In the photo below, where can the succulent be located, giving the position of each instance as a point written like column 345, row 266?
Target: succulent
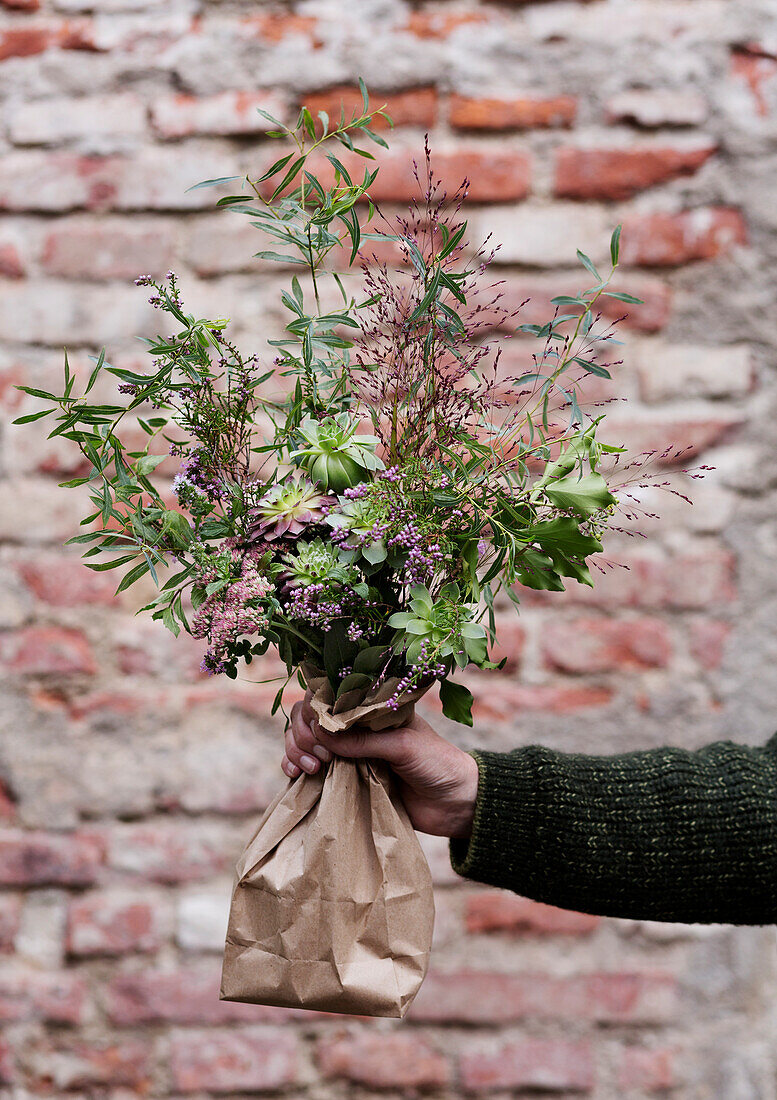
column 287, row 508
column 317, row 562
column 334, row 455
column 443, row 625
column 358, row 518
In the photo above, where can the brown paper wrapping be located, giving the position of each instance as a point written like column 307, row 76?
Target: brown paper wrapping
column 332, row 906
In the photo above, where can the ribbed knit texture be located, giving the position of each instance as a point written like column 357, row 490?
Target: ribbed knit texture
column 664, row 834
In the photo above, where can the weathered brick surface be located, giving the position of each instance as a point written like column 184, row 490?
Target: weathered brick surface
column 551, row 1065
column 36, row 859
column 129, row 781
column 620, row 173
column 381, row 1062
column 111, row 924
column 244, row 1060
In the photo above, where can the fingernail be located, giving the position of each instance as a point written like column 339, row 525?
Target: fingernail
column 308, row 763
column 322, row 753
column 293, row 770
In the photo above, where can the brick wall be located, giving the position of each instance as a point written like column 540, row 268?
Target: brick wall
column 130, row 782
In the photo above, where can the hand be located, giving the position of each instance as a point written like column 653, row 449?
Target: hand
column 438, row 783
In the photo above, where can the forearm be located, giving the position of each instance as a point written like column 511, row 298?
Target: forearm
column 666, row 834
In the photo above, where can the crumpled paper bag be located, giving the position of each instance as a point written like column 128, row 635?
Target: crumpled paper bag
column 332, row 906
column 363, row 706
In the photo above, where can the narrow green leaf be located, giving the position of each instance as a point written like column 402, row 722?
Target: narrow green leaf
column 620, row 297
column 588, row 264
column 211, row 183
column 615, row 244
column 29, row 417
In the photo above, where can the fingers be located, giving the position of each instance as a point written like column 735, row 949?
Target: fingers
column 303, row 752
column 389, row 745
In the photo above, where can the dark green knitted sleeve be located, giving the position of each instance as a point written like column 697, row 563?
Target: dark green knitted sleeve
column 664, row 834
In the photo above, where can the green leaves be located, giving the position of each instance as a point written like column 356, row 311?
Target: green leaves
column 583, row 495
column 615, row 244
column 211, row 183
column 456, row 702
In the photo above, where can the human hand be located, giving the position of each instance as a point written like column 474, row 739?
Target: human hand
column 438, row 782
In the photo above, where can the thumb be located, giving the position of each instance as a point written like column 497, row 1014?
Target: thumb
column 355, row 744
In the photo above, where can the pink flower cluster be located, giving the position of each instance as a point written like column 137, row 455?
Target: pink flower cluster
column 234, row 611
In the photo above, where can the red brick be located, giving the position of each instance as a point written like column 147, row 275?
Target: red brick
column 521, row 113
column 53, row 998
column 233, row 112
column 64, row 581
column 667, row 240
column 48, row 859
column 10, row 915
column 708, row 642
column 25, row 41
column 605, row 645
column 667, row 442
column 493, row 175
column 83, row 1065
column 536, row 293
column 105, row 924
column 107, row 705
column 501, row 701
column 11, row 266
column 274, row 27
column 499, row 911
column 645, row 1070
column 547, row 1064
column 249, row 1059
column 411, row 107
column 511, row 638
column 388, row 1061
column 171, row 852
column 614, row 174
column 440, row 24
column 48, row 650
column 21, row 5
column 485, row 997
column 189, row 996
column 108, row 249
column 686, row 582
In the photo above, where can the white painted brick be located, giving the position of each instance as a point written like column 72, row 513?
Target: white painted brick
column 652, row 108
column 543, row 236
column 97, row 124
column 691, row 370
column 41, row 935
column 202, row 919
column 55, row 313
column 226, row 113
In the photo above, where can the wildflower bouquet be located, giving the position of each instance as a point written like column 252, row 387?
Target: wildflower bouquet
column 363, row 523
column 359, row 506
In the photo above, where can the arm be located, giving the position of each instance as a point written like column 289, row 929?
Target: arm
column 666, row 834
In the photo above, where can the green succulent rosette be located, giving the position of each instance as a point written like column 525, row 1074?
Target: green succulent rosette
column 334, row 455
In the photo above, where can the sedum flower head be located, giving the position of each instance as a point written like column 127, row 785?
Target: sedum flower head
column 287, row 508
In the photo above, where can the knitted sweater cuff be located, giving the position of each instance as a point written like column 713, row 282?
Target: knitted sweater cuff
column 505, row 806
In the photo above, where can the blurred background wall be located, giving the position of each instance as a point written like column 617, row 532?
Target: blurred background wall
column 130, row 782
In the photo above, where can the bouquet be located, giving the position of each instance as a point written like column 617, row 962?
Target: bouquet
column 360, row 505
